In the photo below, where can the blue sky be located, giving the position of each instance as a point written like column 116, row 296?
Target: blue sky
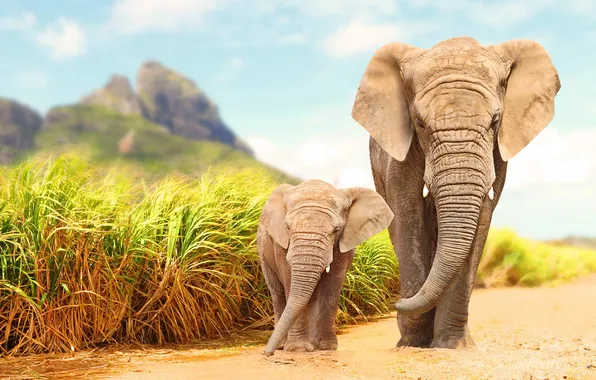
column 284, row 74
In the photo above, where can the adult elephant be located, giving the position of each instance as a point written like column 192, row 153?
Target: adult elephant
column 443, row 123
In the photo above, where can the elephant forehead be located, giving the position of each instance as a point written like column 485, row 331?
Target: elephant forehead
column 473, row 61
column 315, row 192
column 322, row 218
column 309, row 198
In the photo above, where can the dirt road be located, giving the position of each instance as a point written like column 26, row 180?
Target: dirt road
column 541, row 333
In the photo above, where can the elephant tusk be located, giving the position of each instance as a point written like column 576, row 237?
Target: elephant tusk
column 491, row 193
column 425, row 191
column 328, row 268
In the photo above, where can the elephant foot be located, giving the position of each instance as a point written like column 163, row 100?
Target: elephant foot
column 421, row 341
column 453, row 342
column 327, row 344
column 299, row 346
column 416, row 331
column 419, row 336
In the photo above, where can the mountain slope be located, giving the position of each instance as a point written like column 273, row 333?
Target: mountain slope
column 106, row 136
column 18, row 127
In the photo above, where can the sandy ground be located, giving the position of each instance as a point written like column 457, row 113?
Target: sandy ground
column 520, row 333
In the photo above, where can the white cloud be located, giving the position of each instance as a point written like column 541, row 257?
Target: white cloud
column 343, row 7
column 507, row 14
column 175, row 16
column 136, row 16
column 282, row 20
column 341, row 161
column 231, row 68
column 265, row 38
column 500, row 14
column 24, row 22
column 555, row 158
column 582, row 6
column 550, row 185
column 338, row 155
column 291, row 39
column 65, row 39
column 318, row 158
column 324, row 8
column 33, row 79
column 358, row 37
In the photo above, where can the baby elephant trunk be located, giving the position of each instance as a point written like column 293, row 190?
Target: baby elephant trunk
column 305, row 276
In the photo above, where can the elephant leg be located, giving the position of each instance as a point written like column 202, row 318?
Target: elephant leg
column 298, row 338
column 414, row 251
column 400, row 184
column 451, row 318
column 278, row 296
column 326, row 302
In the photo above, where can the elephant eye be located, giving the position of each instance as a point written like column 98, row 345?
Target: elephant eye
column 336, row 229
column 494, row 123
column 419, row 123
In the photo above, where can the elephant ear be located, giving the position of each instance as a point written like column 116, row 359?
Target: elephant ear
column 381, row 106
column 529, row 104
column 273, row 216
column 368, row 215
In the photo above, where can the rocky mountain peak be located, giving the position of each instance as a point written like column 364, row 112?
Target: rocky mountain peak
column 18, row 125
column 175, row 101
column 152, row 65
column 117, row 95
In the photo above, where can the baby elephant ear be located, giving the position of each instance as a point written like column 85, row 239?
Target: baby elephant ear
column 368, row 215
column 273, row 216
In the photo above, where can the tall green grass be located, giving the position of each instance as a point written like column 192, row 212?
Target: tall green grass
column 371, row 281
column 86, row 259
column 89, row 257
column 509, row 260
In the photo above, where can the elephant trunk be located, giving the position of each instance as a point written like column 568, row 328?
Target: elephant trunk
column 458, row 204
column 304, row 278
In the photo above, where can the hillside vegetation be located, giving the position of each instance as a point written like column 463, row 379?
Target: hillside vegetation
column 108, row 137
column 89, row 257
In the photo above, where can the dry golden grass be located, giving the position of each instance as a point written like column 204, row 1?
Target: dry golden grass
column 89, row 258
column 510, row 260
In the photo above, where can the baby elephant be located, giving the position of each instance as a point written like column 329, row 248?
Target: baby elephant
column 306, row 240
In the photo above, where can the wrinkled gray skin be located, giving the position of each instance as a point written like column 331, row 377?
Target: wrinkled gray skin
column 448, row 117
column 302, row 230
